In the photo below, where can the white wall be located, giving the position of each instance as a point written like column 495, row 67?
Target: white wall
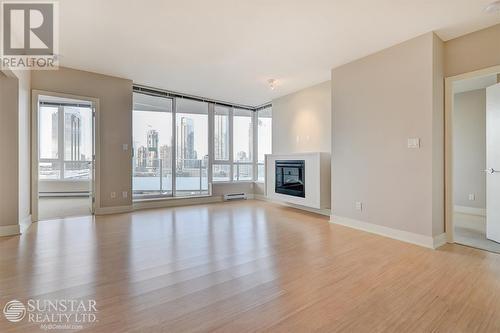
column 469, row 148
column 378, row 103
column 302, row 121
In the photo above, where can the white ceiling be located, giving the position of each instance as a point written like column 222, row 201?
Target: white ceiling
column 228, row 49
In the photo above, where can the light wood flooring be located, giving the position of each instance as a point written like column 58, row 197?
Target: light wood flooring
column 244, row 267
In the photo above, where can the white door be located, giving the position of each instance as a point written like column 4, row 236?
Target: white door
column 493, row 163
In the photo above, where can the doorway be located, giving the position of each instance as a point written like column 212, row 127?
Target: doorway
column 64, row 154
column 473, row 159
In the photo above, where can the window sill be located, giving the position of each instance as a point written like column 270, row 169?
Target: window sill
column 171, row 198
column 233, row 182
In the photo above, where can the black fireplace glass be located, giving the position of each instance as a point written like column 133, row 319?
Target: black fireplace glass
column 290, row 178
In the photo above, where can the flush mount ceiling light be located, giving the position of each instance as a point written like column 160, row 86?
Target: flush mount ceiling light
column 272, row 83
column 493, row 7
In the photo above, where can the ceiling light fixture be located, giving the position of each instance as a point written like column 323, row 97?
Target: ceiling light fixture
column 493, row 7
column 272, row 83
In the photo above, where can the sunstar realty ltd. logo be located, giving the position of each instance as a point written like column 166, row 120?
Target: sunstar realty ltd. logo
column 52, row 314
column 30, row 35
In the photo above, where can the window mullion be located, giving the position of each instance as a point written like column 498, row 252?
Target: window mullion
column 174, row 145
column 60, row 143
column 231, row 154
column 211, row 141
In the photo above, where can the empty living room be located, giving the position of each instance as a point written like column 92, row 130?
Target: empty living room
column 249, row 166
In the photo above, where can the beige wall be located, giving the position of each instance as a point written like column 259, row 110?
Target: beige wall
column 378, row 103
column 115, row 99
column 24, row 78
column 469, row 142
column 472, row 52
column 9, row 166
column 302, row 121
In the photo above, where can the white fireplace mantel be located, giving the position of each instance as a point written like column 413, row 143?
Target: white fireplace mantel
column 317, row 179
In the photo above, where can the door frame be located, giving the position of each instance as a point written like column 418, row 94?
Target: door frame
column 448, row 142
column 35, row 95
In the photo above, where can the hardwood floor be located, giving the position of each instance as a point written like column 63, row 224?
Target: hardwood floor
column 247, row 266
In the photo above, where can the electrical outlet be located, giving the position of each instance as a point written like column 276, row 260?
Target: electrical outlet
column 113, row 195
column 359, row 206
column 124, row 194
column 472, row 197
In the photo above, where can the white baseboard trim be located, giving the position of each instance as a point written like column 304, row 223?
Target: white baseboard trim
column 10, row 230
column 25, row 223
column 325, row 212
column 405, row 236
column 470, row 210
column 113, row 210
column 162, row 203
column 440, row 240
column 175, row 202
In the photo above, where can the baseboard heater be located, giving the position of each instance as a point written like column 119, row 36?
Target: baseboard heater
column 235, row 196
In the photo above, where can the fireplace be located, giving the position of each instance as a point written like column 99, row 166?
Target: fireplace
column 290, row 177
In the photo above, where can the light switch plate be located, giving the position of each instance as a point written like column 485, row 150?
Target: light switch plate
column 113, row 195
column 472, row 197
column 359, row 206
column 413, row 143
column 125, row 147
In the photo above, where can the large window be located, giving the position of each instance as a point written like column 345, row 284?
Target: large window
column 182, row 145
column 243, row 144
column 65, row 140
column 191, row 147
column 265, row 139
column 152, row 140
column 222, row 144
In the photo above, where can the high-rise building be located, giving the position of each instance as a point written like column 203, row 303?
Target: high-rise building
column 72, row 134
column 185, row 144
column 221, row 138
column 153, row 152
column 166, row 156
column 142, row 157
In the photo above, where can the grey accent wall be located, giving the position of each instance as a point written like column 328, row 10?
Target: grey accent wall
column 9, row 166
column 469, row 148
column 378, row 103
column 302, row 121
column 115, row 98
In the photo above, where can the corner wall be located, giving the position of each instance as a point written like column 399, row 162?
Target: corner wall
column 378, row 103
column 24, row 89
column 115, row 100
column 9, row 168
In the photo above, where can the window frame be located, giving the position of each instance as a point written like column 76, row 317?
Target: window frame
column 61, row 151
column 233, row 177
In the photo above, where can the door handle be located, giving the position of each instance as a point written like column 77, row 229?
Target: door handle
column 491, row 171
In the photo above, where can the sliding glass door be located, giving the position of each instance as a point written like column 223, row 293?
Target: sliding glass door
column 152, row 140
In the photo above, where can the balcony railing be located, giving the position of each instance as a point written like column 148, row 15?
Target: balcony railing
column 154, row 178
